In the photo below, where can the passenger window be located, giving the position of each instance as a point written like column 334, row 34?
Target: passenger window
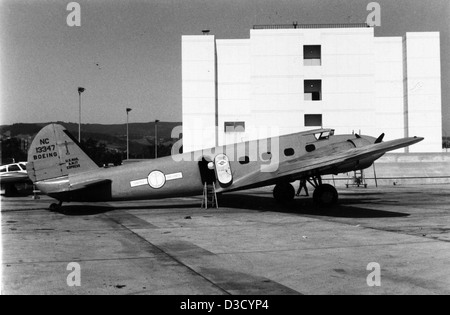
column 310, row 148
column 244, row 160
column 289, row 152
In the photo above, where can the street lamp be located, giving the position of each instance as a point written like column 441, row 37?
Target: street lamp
column 128, row 148
column 80, row 90
column 156, row 138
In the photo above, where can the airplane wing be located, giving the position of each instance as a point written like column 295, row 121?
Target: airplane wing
column 316, row 163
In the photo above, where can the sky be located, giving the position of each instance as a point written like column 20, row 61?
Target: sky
column 127, row 53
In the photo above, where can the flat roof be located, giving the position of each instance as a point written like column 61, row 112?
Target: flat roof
column 303, row 26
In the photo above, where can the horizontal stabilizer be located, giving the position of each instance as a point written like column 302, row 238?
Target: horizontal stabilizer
column 89, row 184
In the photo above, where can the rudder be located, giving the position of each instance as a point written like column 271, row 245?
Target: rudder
column 54, row 153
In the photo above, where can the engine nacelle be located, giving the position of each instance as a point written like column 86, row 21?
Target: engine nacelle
column 360, row 164
column 359, row 142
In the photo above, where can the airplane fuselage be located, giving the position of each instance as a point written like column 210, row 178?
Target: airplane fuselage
column 185, row 174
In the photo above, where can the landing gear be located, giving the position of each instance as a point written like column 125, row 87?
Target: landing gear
column 56, row 207
column 325, row 195
column 284, row 192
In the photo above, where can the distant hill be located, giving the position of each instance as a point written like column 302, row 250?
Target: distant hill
column 136, row 130
column 111, row 137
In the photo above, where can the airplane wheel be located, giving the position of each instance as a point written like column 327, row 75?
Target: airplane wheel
column 284, row 192
column 325, row 195
column 10, row 190
column 54, row 207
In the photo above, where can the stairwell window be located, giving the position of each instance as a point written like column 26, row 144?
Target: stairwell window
column 313, row 90
column 312, row 55
column 313, row 120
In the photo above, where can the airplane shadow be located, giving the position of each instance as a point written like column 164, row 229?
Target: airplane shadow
column 262, row 203
column 306, row 206
column 85, row 210
column 95, row 209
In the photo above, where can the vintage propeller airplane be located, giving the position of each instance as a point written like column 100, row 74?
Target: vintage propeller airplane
column 60, row 168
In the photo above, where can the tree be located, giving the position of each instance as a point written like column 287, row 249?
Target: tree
column 11, row 150
column 99, row 153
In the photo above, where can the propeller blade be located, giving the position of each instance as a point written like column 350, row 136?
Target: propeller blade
column 380, row 138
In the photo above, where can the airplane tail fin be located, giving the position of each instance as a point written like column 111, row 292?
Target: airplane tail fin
column 54, row 153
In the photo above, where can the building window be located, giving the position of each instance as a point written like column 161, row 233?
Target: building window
column 312, row 55
column 313, row 90
column 235, row 126
column 313, row 120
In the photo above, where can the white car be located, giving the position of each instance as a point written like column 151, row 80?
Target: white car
column 12, row 174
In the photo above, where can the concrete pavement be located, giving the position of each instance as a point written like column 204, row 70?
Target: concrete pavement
column 251, row 245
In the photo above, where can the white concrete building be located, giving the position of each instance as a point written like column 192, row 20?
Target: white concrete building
column 292, row 79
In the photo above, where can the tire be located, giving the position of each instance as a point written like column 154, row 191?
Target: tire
column 325, row 195
column 10, row 190
column 55, row 207
column 284, row 192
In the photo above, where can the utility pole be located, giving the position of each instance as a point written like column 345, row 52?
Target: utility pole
column 80, row 90
column 128, row 146
column 156, row 138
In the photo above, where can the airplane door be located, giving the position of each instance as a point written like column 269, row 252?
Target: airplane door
column 223, row 170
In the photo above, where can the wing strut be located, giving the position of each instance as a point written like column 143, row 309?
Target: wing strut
column 315, row 181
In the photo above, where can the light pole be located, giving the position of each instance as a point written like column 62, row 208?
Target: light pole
column 444, row 140
column 80, row 90
column 128, row 148
column 156, row 138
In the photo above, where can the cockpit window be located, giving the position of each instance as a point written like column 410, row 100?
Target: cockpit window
column 324, row 135
column 3, row 169
column 23, row 166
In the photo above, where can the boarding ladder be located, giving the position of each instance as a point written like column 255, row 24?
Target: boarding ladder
column 358, row 179
column 209, row 196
